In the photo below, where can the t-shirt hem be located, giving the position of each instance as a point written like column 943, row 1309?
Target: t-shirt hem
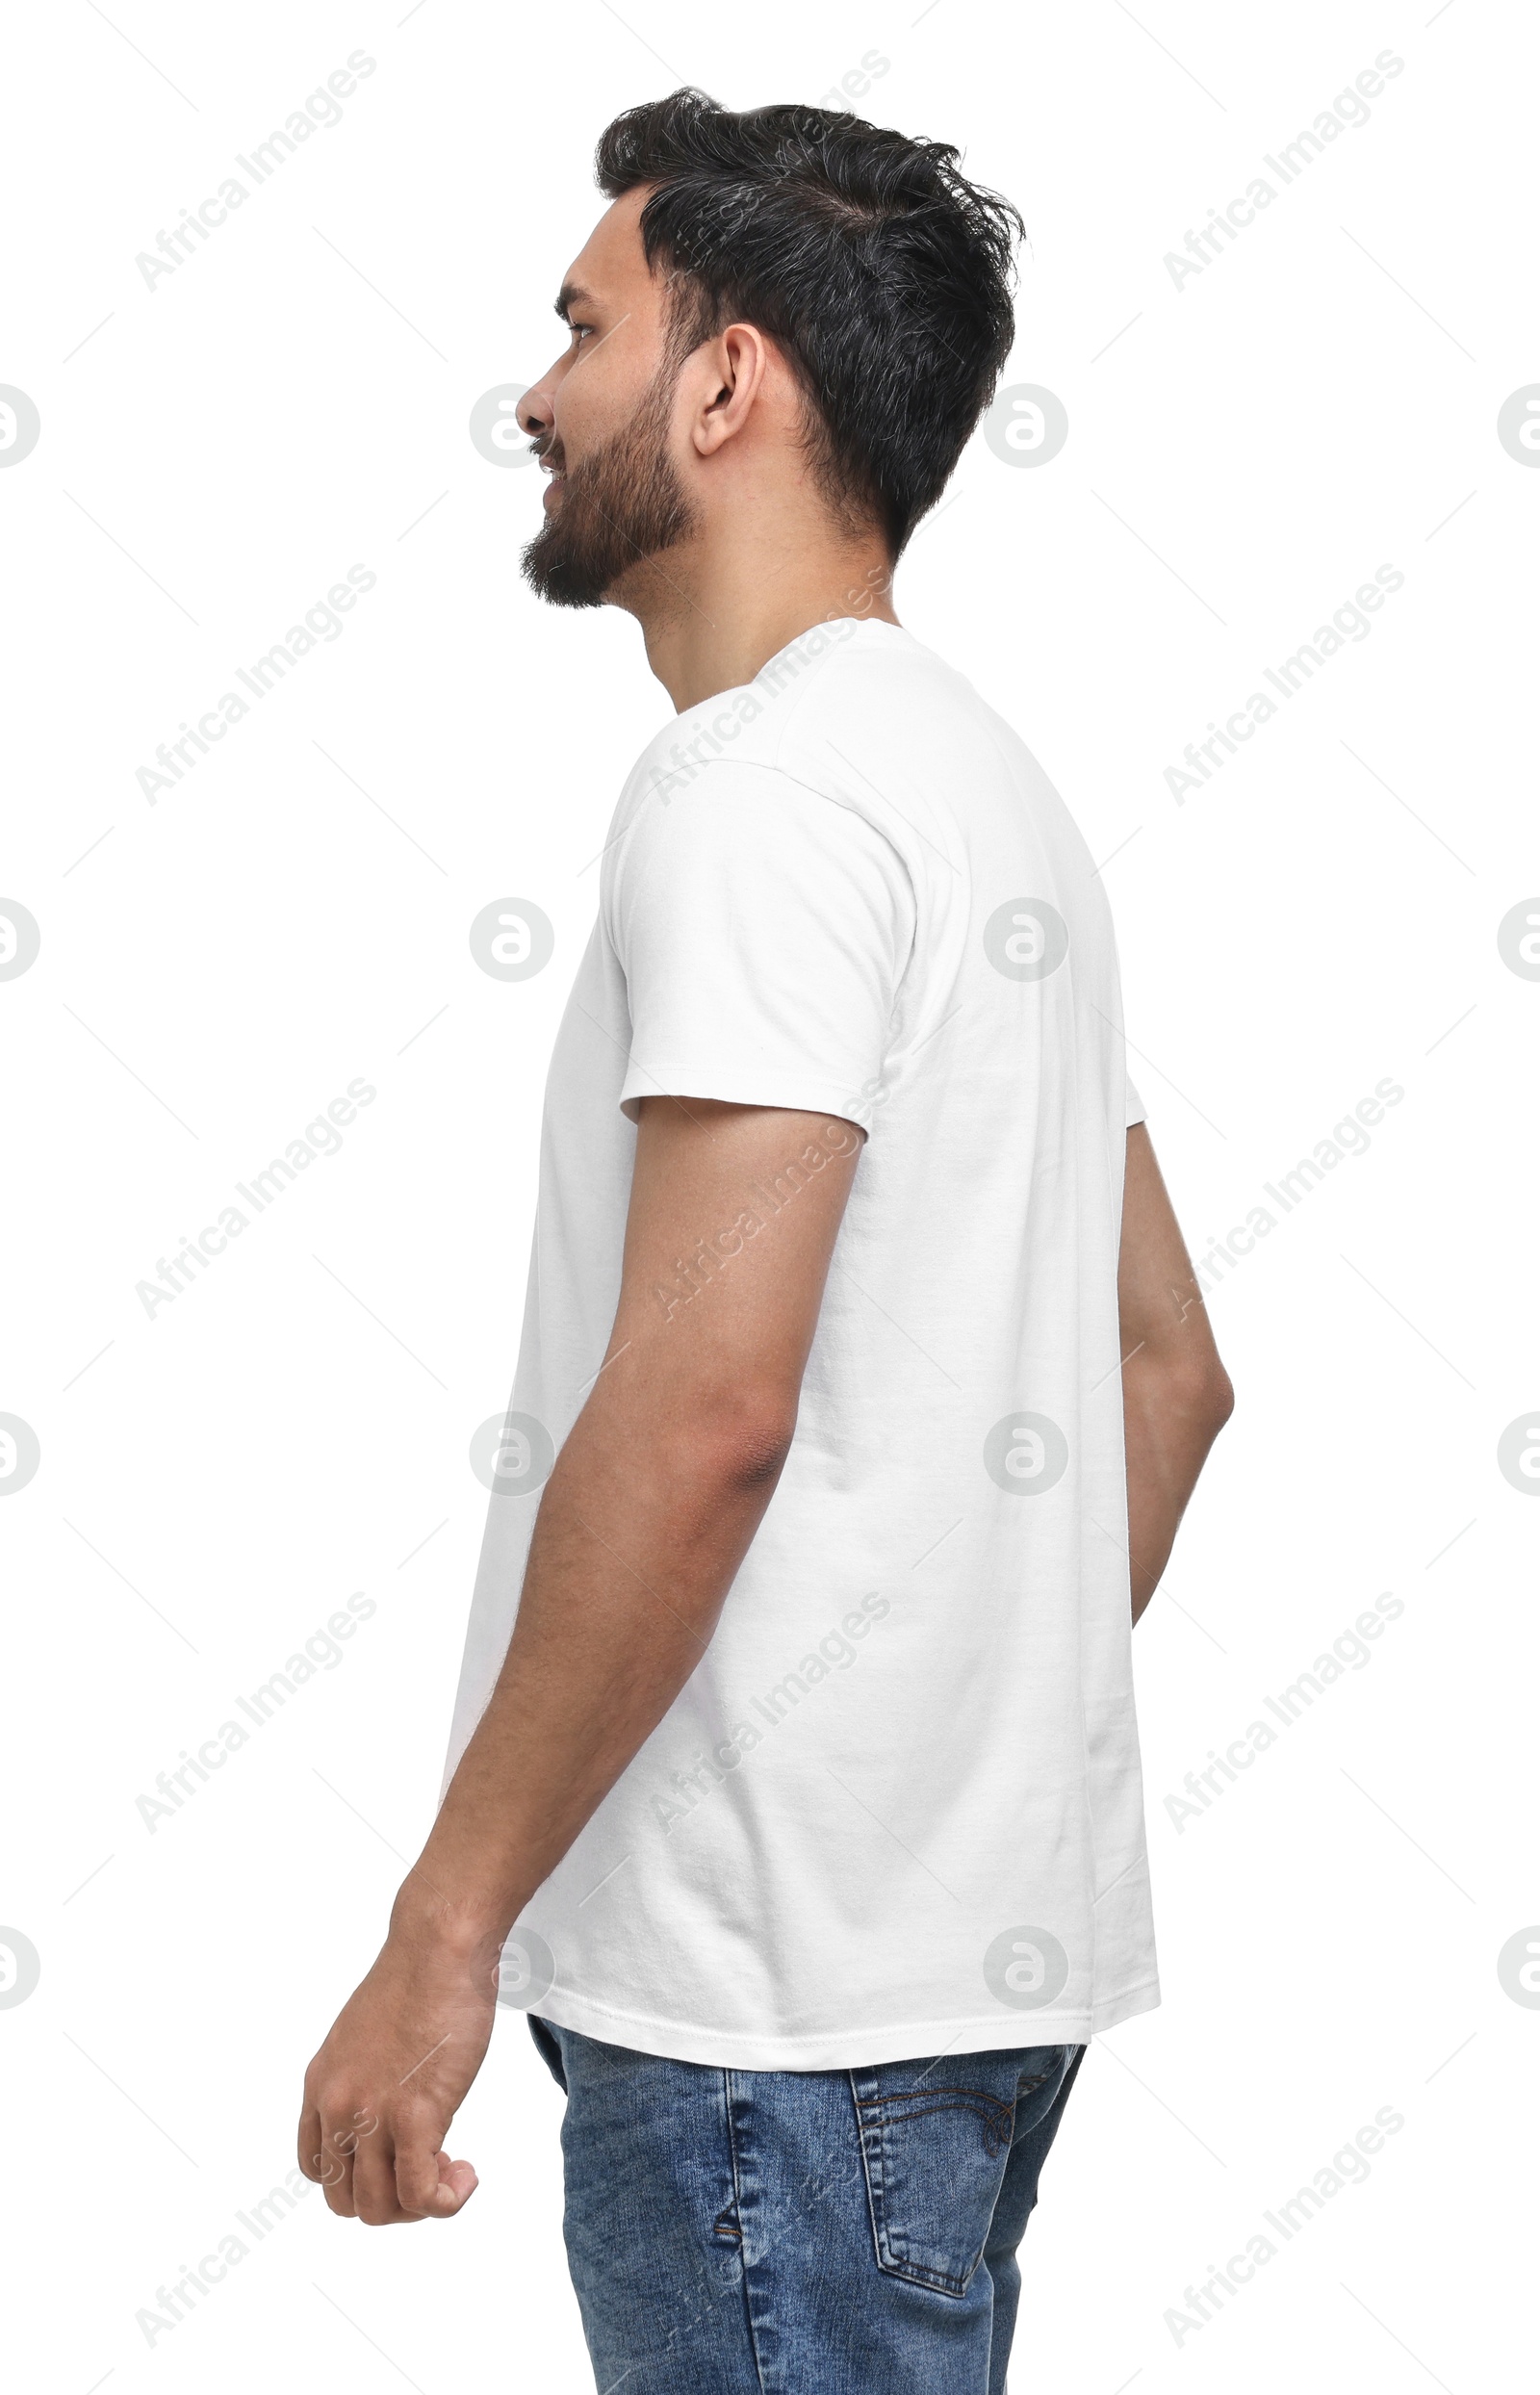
column 744, row 1087
column 848, row 2049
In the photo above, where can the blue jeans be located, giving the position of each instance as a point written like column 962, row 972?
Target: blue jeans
column 801, row 2232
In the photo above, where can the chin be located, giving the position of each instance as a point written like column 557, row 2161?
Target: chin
column 555, row 577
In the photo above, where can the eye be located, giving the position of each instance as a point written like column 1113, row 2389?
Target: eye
column 577, row 331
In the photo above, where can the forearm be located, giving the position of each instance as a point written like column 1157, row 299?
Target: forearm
column 655, row 1496
column 635, row 1546
column 1171, row 1420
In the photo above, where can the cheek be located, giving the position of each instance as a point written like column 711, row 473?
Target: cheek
column 578, row 407
column 604, row 391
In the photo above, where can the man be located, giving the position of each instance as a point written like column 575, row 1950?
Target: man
column 794, row 1775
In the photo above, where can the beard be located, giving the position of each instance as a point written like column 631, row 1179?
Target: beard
column 622, row 506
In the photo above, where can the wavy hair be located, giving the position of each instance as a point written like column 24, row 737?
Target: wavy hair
column 882, row 275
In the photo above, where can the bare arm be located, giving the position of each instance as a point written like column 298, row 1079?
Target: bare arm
column 650, row 1510
column 1176, row 1393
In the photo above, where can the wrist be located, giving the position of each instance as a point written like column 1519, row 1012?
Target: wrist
column 449, row 1922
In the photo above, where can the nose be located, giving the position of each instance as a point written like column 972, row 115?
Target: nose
column 536, row 411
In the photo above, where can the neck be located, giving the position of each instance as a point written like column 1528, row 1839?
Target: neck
column 713, row 613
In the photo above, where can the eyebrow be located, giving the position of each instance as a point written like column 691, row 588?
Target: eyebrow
column 573, row 294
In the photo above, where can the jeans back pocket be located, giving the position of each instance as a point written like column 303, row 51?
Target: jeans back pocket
column 936, row 2136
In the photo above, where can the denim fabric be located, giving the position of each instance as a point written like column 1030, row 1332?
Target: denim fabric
column 789, row 2233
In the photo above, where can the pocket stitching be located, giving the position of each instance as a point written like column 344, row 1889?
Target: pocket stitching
column 892, row 2255
column 998, row 2119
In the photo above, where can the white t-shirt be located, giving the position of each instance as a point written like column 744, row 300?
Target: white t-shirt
column 897, row 1806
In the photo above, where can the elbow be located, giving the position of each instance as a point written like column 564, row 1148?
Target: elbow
column 741, row 1440
column 1212, row 1398
column 1197, row 1389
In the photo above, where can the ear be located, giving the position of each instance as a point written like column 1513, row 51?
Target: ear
column 731, row 370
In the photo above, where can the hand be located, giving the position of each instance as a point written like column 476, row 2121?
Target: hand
column 400, row 2056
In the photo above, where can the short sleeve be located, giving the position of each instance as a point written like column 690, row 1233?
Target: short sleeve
column 763, row 930
column 1135, row 1105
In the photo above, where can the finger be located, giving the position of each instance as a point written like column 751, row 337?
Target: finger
column 428, row 2184
column 335, row 2175
column 417, row 2159
column 310, row 2154
column 375, row 2184
column 459, row 2178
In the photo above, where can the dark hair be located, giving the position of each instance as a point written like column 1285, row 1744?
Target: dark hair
column 879, row 271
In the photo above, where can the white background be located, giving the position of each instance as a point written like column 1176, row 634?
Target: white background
column 1243, row 453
